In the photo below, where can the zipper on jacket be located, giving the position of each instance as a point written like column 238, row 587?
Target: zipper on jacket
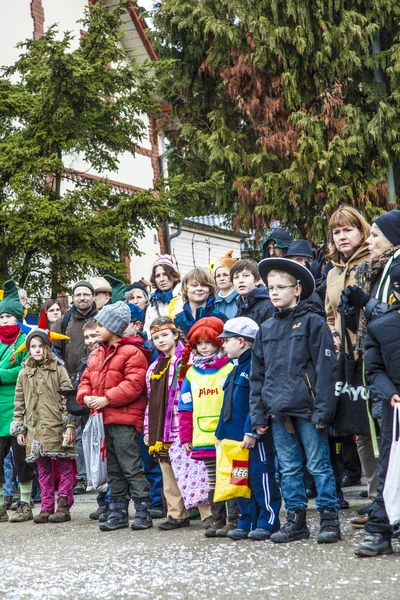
column 310, row 388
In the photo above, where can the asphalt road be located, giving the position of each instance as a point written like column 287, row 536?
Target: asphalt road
column 76, row 561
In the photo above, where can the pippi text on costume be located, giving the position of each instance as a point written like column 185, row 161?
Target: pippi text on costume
column 207, row 392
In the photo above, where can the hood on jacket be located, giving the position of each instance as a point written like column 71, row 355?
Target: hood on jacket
column 78, row 315
column 260, row 292
column 304, row 306
column 231, row 297
column 135, row 340
column 208, row 307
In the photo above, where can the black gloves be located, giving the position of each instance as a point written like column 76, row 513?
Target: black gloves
column 317, row 264
column 354, row 296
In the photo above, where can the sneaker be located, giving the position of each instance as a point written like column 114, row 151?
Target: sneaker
column 260, row 534
column 8, row 500
column 359, row 522
column 294, row 529
column 223, row 532
column 102, row 510
column 42, row 517
column 79, row 487
column 16, row 504
column 3, row 515
column 237, row 534
column 22, row 513
column 329, row 531
column 349, row 482
column 211, row 531
column 373, row 545
column 208, row 521
column 172, row 523
column 157, row 512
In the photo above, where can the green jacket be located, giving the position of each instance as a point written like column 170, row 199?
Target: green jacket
column 8, row 379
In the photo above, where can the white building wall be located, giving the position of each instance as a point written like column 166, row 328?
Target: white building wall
column 194, row 248
column 16, row 25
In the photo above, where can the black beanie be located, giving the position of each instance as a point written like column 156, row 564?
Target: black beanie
column 389, row 224
column 136, row 285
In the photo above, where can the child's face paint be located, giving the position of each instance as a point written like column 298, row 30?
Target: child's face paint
column 36, row 349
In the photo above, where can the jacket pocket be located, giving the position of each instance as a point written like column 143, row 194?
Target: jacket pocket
column 208, row 424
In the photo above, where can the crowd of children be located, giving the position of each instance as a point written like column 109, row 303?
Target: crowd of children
column 263, row 375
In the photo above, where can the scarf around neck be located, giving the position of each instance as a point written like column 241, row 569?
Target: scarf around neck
column 214, row 361
column 367, row 274
column 9, row 334
column 163, row 297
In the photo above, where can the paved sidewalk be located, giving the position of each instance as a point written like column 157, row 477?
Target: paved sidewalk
column 76, row 561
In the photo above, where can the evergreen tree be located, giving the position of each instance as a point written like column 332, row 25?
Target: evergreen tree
column 293, row 101
column 57, row 104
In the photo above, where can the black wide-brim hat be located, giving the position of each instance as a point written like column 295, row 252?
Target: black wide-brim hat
column 300, row 273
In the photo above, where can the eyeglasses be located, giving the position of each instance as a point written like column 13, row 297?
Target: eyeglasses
column 279, row 288
column 83, row 295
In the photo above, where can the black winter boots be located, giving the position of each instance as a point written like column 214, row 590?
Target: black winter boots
column 118, row 517
column 294, row 529
column 329, row 531
column 142, row 518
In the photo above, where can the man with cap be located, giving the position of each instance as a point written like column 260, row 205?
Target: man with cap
column 301, row 252
column 277, row 243
column 72, row 353
column 292, row 389
column 102, row 291
column 259, row 515
column 382, row 367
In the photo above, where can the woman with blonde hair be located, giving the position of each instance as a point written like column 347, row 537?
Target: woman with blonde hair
column 348, row 232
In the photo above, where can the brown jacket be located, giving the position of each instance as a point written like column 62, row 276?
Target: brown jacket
column 72, row 351
column 342, row 275
column 40, row 412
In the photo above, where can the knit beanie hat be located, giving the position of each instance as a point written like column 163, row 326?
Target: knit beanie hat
column 164, row 259
column 136, row 285
column 40, row 334
column 300, row 248
column 11, row 303
column 389, row 224
column 100, row 284
column 118, row 288
column 226, row 261
column 115, row 317
column 137, row 314
column 83, row 283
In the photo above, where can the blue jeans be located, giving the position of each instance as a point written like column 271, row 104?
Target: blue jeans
column 288, row 447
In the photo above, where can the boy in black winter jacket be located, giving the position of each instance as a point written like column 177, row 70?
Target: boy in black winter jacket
column 253, row 300
column 292, row 388
column 382, row 366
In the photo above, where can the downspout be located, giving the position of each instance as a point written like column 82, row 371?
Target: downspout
column 171, row 236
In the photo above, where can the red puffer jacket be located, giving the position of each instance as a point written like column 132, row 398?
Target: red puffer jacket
column 118, row 372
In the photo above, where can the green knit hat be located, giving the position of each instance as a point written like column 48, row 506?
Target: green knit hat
column 11, row 303
column 118, row 289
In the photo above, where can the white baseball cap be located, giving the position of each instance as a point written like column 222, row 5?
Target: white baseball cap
column 240, row 327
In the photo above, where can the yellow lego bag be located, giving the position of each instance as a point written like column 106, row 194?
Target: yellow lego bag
column 232, row 471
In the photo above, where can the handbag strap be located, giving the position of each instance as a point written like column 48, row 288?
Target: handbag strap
column 346, row 335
